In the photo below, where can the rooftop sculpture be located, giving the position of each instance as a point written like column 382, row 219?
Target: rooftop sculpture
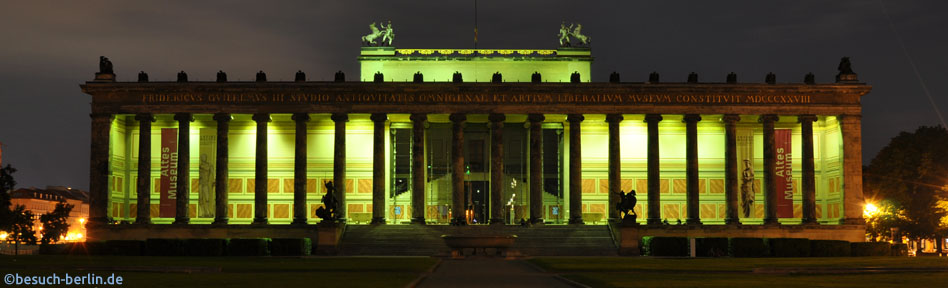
column 574, row 30
column 386, row 33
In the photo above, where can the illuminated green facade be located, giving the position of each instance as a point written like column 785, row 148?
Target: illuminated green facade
column 382, row 119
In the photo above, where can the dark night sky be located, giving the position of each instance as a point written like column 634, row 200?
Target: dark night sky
column 49, row 48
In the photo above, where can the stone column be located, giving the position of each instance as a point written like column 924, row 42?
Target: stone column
column 615, row 166
column 691, row 168
column 536, row 168
column 418, row 168
column 339, row 163
column 654, row 175
column 222, row 173
column 99, row 168
column 496, row 168
column 808, row 184
column 378, row 168
column 731, row 183
column 457, row 169
column 853, row 201
column 299, row 170
column 183, row 194
column 575, row 169
column 143, row 196
column 770, row 165
column 260, row 170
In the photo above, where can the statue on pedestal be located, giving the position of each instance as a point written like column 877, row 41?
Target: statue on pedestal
column 626, row 207
column 328, row 212
column 747, row 188
column 105, row 66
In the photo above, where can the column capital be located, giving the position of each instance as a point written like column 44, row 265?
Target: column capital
column 379, row 117
column 223, row 117
column 145, row 117
column 535, row 118
column 575, row 118
column 768, row 118
column 653, row 117
column 184, row 117
column 496, row 117
column 418, row 117
column 731, row 118
column 806, row 117
column 261, row 117
column 339, row 117
column 614, row 118
column 691, row 118
column 300, row 117
column 458, row 117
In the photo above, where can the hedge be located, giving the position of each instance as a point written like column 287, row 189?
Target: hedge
column 830, row 248
column 248, row 247
column 789, row 247
column 165, row 247
column 710, row 247
column 747, row 247
column 665, row 246
column 899, row 249
column 206, row 247
column 125, row 247
column 871, row 249
column 291, row 246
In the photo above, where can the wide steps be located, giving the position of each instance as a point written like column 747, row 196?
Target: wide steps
column 418, row 240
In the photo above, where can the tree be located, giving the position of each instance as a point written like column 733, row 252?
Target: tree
column 21, row 228
column 55, row 223
column 910, row 174
column 6, row 186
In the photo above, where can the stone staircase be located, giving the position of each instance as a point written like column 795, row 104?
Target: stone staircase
column 417, row 240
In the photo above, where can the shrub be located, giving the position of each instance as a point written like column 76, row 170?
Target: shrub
column 871, row 249
column 899, row 249
column 248, row 247
column 830, row 248
column 789, row 247
column 125, row 247
column 206, row 247
column 746, row 247
column 665, row 246
column 290, row 246
column 165, row 247
column 711, row 247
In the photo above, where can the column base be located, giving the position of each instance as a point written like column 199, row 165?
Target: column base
column 653, row 222
column 459, row 221
column 809, row 221
column 298, row 221
column 220, row 221
column 259, row 221
column 418, row 220
column 143, row 221
column 771, row 221
column 732, row 222
column 181, row 221
column 536, row 221
column 576, row 220
column 693, row 222
column 378, row 221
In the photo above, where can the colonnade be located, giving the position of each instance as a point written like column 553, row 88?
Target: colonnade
column 850, row 126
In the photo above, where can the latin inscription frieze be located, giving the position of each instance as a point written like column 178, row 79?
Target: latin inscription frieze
column 252, row 98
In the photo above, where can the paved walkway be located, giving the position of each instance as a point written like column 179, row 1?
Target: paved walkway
column 488, row 272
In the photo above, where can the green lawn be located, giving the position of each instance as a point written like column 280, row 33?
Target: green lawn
column 234, row 271
column 737, row 272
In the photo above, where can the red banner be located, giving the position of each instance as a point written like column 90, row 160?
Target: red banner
column 784, row 173
column 169, row 172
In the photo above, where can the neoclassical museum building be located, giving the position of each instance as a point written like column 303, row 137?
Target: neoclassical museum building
column 477, row 136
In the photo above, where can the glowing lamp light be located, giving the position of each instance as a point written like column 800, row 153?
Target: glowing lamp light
column 3, row 236
column 82, row 220
column 870, row 210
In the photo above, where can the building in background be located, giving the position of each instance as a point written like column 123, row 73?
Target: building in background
column 41, row 201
